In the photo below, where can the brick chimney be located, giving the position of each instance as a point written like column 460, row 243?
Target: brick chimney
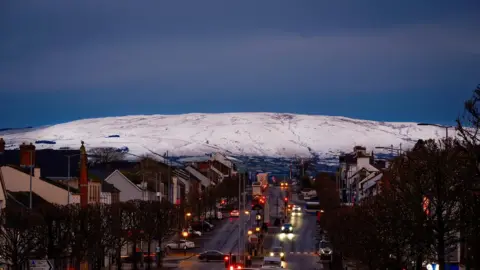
column 27, row 155
column 83, row 181
column 2, row 146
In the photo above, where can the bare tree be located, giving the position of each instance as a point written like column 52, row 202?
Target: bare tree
column 81, row 232
column 22, row 236
column 468, row 128
column 431, row 179
column 100, row 236
column 57, row 231
column 133, row 222
column 106, row 154
column 162, row 218
column 118, row 220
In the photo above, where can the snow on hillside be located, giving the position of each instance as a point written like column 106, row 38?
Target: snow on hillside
column 251, row 134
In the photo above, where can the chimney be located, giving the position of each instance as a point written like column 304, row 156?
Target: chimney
column 83, row 181
column 2, row 146
column 27, row 155
column 36, row 172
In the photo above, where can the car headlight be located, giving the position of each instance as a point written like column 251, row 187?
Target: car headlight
column 271, row 254
column 282, row 254
column 283, row 228
column 291, row 229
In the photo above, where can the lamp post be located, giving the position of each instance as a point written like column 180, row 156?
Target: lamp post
column 31, row 172
column 439, row 126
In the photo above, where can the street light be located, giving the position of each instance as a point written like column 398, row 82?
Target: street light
column 189, row 214
column 437, row 125
column 185, row 234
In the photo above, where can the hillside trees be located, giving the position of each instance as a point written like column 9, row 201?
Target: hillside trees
column 106, row 154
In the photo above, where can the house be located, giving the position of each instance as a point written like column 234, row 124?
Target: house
column 129, row 190
column 109, row 193
column 22, row 199
column 17, row 179
column 198, row 181
column 3, row 193
column 358, row 172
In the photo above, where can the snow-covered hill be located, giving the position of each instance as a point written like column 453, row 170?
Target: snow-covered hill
column 251, row 134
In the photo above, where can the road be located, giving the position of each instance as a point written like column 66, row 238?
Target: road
column 300, row 250
column 224, row 238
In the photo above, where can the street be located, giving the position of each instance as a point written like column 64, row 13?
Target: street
column 224, row 239
column 300, row 250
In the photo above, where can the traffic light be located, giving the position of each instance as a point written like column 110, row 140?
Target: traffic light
column 227, row 261
column 285, row 199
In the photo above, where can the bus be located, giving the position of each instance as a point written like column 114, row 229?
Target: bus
column 312, row 207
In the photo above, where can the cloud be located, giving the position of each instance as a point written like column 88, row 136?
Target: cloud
column 210, row 45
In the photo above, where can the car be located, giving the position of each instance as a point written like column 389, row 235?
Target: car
column 202, row 226
column 180, row 244
column 287, row 228
column 272, row 263
column 212, row 215
column 325, row 251
column 284, row 185
column 296, row 213
column 192, row 232
column 235, row 213
column 211, row 255
column 278, row 252
column 296, row 208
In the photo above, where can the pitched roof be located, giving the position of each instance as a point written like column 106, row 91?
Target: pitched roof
column 2, row 183
column 117, row 172
column 198, row 175
column 22, row 198
column 45, row 179
column 110, row 188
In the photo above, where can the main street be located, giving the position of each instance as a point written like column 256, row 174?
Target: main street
column 300, row 250
column 224, row 239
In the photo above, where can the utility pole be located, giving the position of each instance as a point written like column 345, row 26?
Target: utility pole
column 68, row 181
column 244, row 211
column 168, row 179
column 241, row 214
column 31, row 172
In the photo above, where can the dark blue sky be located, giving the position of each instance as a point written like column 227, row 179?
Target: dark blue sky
column 383, row 60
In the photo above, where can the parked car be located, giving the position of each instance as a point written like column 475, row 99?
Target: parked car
column 212, row 215
column 202, row 226
column 180, row 244
column 211, row 255
column 192, row 232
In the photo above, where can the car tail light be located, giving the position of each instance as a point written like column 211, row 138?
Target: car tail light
column 226, row 258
